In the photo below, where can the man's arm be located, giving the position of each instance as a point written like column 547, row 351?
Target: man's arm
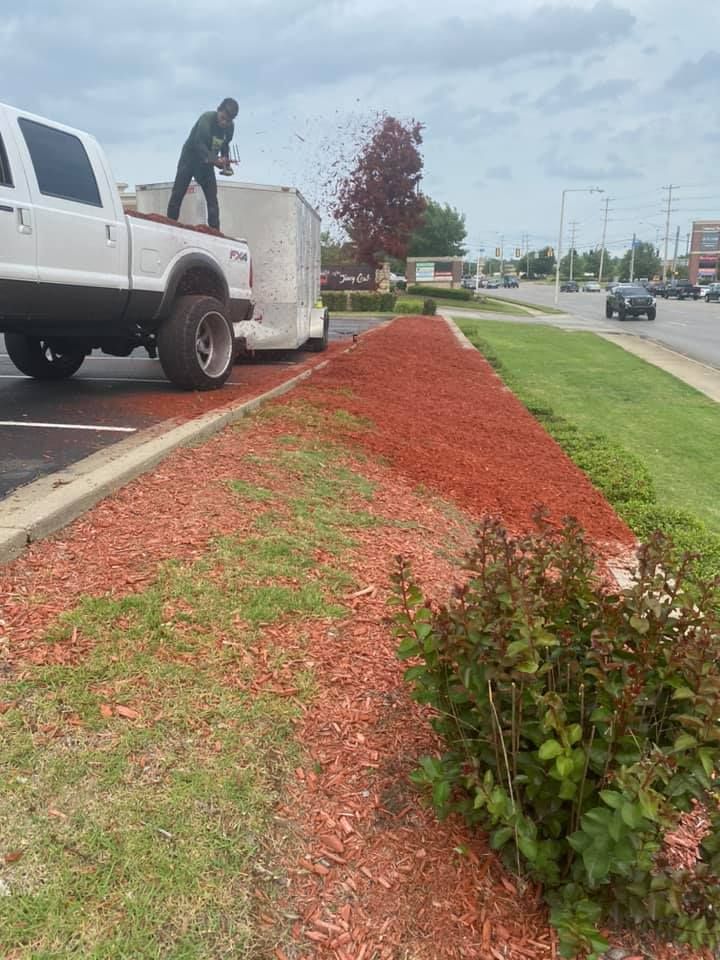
column 202, row 139
column 225, row 149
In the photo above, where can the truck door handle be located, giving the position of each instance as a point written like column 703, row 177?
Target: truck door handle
column 5, row 209
column 110, row 238
column 24, row 223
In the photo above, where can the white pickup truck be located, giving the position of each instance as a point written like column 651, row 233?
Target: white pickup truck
column 77, row 274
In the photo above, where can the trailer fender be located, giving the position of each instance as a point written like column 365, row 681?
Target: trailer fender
column 317, row 322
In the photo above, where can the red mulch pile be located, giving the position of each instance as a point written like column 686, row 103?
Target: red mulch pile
column 159, row 218
column 380, row 878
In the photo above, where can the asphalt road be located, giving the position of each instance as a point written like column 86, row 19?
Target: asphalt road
column 45, row 426
column 692, row 327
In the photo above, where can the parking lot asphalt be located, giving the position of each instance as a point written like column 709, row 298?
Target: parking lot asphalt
column 46, row 426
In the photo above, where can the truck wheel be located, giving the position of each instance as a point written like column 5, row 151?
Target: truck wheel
column 608, row 311
column 196, row 344
column 651, row 313
column 41, row 359
column 318, row 344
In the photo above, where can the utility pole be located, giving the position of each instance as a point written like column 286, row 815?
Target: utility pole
column 573, row 227
column 632, row 260
column 675, row 255
column 527, row 255
column 608, row 201
column 669, row 189
column 502, row 254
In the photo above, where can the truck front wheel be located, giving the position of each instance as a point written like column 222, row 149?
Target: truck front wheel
column 43, row 359
column 196, row 344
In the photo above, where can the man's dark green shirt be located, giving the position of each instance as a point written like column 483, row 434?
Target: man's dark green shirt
column 207, row 140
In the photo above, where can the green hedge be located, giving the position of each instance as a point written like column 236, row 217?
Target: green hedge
column 440, row 293
column 406, row 305
column 359, row 301
column 429, row 308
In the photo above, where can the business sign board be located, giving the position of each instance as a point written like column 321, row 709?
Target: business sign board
column 348, row 276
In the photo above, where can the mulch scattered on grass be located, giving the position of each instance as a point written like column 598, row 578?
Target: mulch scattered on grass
column 381, row 878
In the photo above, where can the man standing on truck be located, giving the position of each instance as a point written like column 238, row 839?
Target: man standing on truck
column 207, row 147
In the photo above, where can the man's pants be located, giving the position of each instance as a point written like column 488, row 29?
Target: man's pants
column 204, row 174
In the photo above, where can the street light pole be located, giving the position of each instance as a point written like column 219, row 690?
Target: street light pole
column 562, row 216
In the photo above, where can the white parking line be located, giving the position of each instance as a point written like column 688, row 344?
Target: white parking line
column 20, row 376
column 66, row 426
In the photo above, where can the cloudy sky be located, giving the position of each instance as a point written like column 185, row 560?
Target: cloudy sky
column 519, row 101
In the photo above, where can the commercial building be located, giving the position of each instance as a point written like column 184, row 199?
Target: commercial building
column 704, row 261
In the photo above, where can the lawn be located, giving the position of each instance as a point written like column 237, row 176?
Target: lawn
column 595, row 385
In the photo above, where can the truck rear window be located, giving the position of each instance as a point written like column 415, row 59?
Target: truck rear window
column 6, row 179
column 61, row 164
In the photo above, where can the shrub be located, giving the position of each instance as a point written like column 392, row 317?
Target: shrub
column 406, row 305
column 581, row 726
column 429, row 308
column 441, row 293
column 365, row 301
column 335, row 299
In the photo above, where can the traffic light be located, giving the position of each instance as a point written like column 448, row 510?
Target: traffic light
column 498, row 251
column 518, row 253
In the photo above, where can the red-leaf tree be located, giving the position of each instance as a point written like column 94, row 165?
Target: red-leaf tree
column 379, row 204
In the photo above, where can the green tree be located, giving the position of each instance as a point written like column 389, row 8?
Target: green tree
column 441, row 233
column 647, row 263
column 542, row 263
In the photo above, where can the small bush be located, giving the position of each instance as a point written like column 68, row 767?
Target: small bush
column 581, row 727
column 406, row 305
column 440, row 293
column 335, row 299
column 365, row 301
column 429, row 308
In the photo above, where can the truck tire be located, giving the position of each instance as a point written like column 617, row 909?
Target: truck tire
column 37, row 358
column 196, row 344
column 608, row 311
column 318, row 344
column 651, row 313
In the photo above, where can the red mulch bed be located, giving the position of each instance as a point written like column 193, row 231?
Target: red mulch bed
column 443, row 418
column 380, row 879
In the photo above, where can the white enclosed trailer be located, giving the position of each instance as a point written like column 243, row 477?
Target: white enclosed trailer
column 283, row 232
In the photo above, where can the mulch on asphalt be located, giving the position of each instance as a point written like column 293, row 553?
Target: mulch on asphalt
column 380, row 878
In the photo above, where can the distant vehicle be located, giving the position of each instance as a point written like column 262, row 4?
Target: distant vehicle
column 397, row 279
column 591, row 287
column 468, row 283
column 492, row 284
column 510, row 282
column 629, row 300
column 656, row 288
column 569, row 286
column 680, row 290
column 712, row 293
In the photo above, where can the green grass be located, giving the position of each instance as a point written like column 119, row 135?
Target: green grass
column 599, row 388
column 535, row 306
column 148, row 837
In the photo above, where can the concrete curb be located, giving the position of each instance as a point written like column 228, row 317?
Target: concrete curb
column 45, row 506
column 458, row 334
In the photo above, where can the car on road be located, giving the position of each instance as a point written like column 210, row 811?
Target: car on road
column 492, row 284
column 569, row 286
column 680, row 290
column 591, row 287
column 468, row 283
column 629, row 300
column 510, row 282
column 712, row 293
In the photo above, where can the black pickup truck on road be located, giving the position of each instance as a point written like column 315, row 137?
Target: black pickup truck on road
column 679, row 290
